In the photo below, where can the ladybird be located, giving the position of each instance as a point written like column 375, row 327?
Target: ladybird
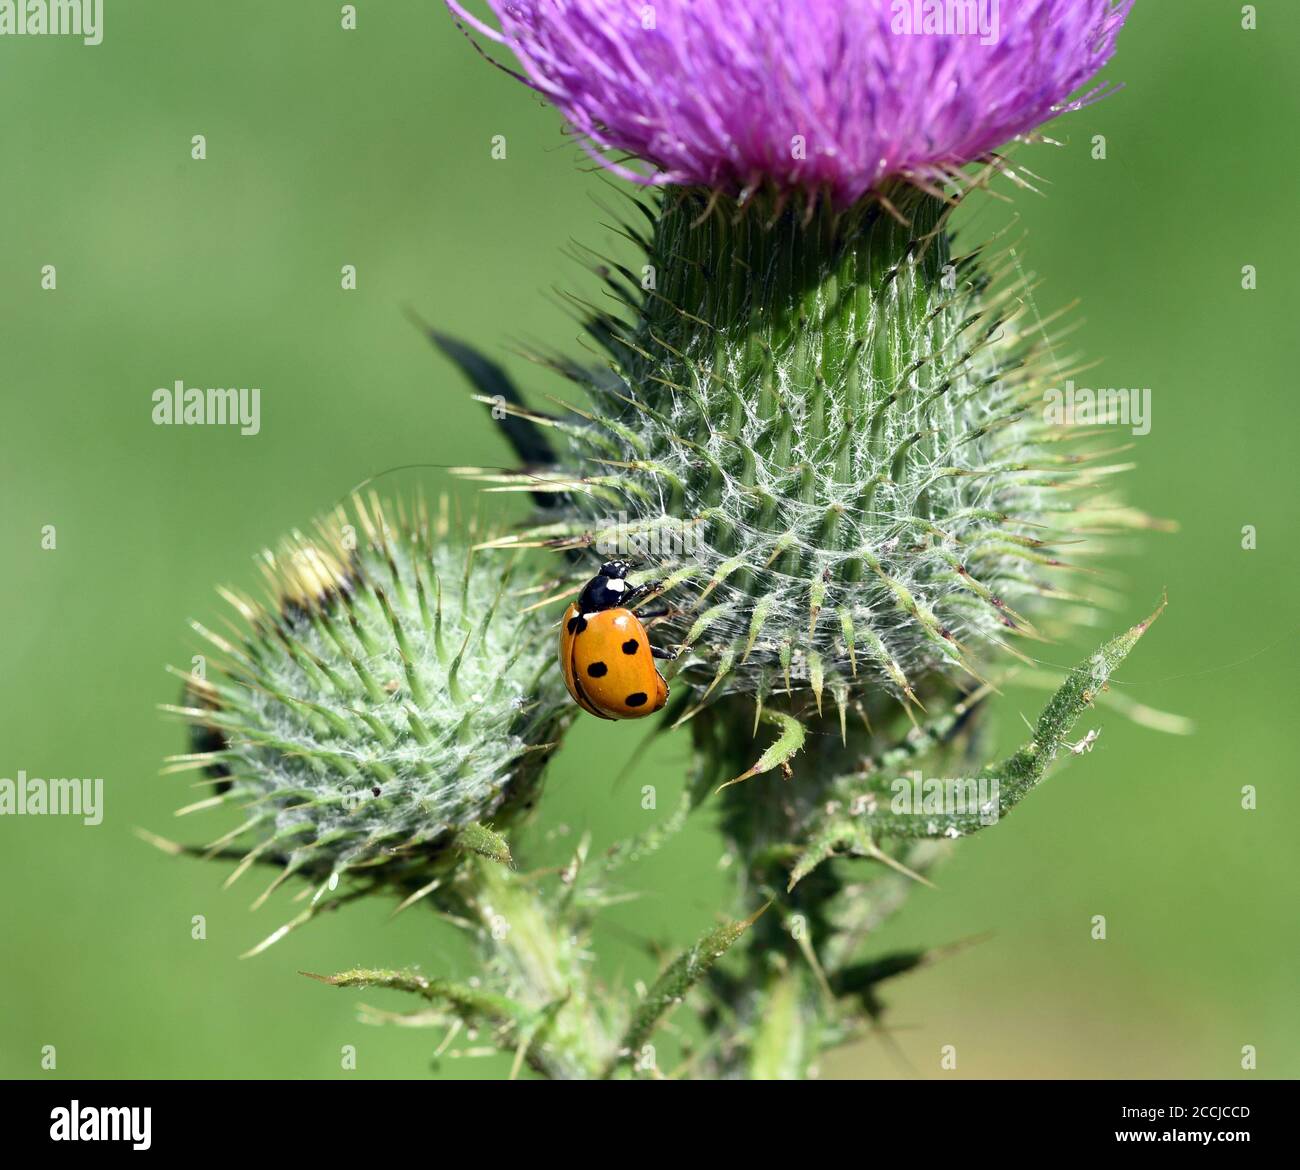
column 608, row 662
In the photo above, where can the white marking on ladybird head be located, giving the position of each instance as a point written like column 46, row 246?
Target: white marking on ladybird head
column 615, row 584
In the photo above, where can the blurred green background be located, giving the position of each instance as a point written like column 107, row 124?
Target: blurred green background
column 372, row 148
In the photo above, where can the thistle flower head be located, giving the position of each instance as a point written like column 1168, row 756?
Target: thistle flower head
column 833, row 96
column 827, row 434
column 390, row 702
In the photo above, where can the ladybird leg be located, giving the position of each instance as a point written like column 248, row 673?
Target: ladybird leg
column 664, row 655
column 636, row 592
column 650, row 614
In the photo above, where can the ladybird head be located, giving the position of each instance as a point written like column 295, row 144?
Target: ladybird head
column 607, row 589
column 616, row 570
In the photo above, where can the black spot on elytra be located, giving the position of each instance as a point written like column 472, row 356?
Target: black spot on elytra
column 577, row 624
column 637, row 699
column 598, row 670
column 630, row 646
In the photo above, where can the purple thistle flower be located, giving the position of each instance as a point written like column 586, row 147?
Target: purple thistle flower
column 823, row 95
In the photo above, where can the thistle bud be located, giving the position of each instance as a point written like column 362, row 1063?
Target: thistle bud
column 392, row 707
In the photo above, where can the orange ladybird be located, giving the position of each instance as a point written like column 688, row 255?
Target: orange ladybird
column 608, row 662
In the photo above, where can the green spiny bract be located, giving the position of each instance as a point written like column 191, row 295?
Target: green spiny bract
column 394, row 701
column 828, row 433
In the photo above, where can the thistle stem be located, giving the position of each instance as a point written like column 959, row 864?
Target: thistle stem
column 544, row 967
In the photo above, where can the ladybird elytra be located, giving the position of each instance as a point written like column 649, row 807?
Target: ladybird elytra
column 605, row 652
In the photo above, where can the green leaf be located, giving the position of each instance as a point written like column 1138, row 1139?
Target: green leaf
column 519, row 1027
column 646, row 842
column 1022, row 772
column 469, row 1003
column 671, row 987
column 865, row 814
column 845, row 838
column 860, row 980
column 492, row 382
column 832, row 837
column 779, row 752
